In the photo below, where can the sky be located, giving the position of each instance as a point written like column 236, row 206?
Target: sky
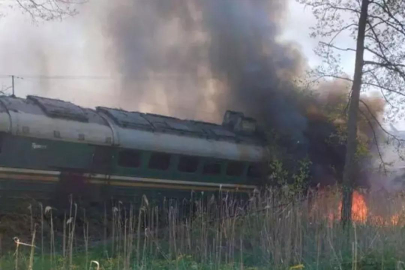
column 58, row 48
column 297, row 29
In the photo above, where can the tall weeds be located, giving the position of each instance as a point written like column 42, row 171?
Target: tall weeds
column 52, row 250
column 272, row 229
column 31, row 262
column 42, row 232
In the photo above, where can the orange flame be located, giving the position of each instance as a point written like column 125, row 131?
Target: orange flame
column 381, row 221
column 359, row 208
column 361, row 213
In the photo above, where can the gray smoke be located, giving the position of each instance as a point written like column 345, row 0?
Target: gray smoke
column 207, row 55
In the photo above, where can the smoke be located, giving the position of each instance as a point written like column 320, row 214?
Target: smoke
column 161, row 54
column 259, row 70
column 327, row 117
column 208, row 56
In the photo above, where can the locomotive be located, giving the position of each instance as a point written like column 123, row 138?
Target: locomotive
column 50, row 146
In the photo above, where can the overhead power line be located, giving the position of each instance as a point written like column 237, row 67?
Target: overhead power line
column 107, row 77
column 64, row 77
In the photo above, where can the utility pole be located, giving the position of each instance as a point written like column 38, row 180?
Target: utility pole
column 12, row 85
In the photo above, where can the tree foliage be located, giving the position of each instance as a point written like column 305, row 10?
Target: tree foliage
column 43, row 10
column 384, row 45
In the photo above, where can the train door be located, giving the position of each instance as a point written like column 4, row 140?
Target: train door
column 102, row 163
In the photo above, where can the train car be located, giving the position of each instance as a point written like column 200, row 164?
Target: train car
column 50, row 146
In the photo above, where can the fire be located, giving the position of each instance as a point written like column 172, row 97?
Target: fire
column 395, row 220
column 359, row 208
column 361, row 211
column 392, row 221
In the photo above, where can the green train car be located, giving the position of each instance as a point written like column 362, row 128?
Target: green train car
column 50, row 146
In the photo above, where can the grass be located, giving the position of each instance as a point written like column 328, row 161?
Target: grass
column 273, row 230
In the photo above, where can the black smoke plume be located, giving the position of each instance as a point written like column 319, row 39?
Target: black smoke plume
column 185, row 45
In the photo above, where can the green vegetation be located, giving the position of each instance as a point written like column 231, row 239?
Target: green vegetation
column 273, row 230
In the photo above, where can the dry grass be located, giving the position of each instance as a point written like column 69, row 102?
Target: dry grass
column 272, row 230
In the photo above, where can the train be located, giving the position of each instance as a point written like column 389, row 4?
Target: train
column 54, row 147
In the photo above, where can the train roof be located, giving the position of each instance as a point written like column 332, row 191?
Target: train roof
column 167, row 124
column 53, row 108
column 56, row 108
column 57, row 119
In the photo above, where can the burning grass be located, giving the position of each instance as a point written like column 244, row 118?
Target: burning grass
column 273, row 230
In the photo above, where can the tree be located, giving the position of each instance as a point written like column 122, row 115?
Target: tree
column 44, row 10
column 378, row 27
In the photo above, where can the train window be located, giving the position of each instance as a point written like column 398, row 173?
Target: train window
column 159, row 161
column 212, row 168
column 102, row 159
column 129, row 159
column 235, row 168
column 1, row 143
column 188, row 164
column 254, row 171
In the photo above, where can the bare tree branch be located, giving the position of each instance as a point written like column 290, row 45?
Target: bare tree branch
column 384, row 88
column 337, row 48
column 333, row 76
column 379, row 124
column 48, row 9
column 375, row 139
column 388, row 11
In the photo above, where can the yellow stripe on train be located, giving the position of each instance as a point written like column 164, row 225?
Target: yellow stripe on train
column 31, row 175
